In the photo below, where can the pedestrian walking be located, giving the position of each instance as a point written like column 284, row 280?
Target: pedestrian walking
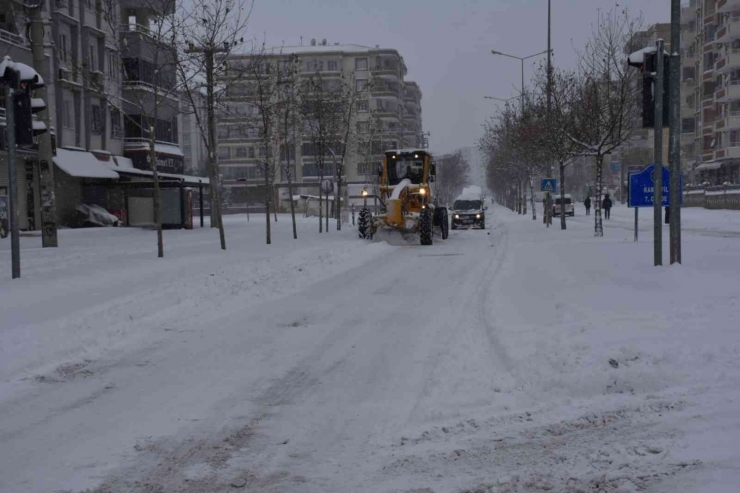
column 587, row 203
column 607, row 206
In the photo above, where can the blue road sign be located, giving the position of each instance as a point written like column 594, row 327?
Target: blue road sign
column 549, row 185
column 641, row 187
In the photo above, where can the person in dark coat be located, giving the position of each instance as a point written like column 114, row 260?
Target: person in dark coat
column 587, row 203
column 607, row 206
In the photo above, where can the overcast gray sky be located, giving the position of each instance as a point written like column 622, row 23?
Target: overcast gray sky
column 446, row 45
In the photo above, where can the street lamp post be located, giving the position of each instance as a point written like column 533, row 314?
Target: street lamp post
column 521, row 59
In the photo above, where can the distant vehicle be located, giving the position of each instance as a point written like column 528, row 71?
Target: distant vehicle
column 569, row 206
column 469, row 209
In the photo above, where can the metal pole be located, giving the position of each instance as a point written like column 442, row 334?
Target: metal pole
column 658, row 160
column 200, row 200
column 15, row 244
column 637, row 209
column 522, row 96
column 46, row 168
column 675, row 132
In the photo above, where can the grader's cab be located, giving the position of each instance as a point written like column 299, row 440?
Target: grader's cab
column 406, row 193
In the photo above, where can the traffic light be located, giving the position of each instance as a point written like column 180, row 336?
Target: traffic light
column 646, row 61
column 23, row 79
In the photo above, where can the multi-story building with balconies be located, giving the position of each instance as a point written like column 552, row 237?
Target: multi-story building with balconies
column 389, row 116
column 109, row 80
column 716, row 43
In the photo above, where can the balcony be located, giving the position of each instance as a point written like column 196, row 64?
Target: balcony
column 726, row 6
column 732, row 122
column 730, row 92
column 12, row 38
column 728, row 62
column 730, row 151
column 161, row 7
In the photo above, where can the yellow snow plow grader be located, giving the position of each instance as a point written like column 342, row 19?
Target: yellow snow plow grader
column 406, row 193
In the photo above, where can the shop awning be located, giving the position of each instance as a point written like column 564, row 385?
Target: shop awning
column 709, row 165
column 126, row 171
column 82, row 164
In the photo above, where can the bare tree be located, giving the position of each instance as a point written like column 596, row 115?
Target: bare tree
column 512, row 144
column 452, row 176
column 556, row 138
column 323, row 122
column 606, row 98
column 263, row 73
column 151, row 102
column 287, row 120
column 211, row 31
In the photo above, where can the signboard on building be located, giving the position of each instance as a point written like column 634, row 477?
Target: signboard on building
column 165, row 163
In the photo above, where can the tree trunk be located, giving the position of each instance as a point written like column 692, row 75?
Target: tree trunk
column 157, row 194
column 275, row 201
column 268, row 199
column 598, row 225
column 524, row 196
column 321, row 210
column 215, row 179
column 562, row 197
column 292, row 205
column 338, row 196
column 531, row 193
column 327, row 213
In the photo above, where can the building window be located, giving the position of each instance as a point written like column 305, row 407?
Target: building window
column 224, row 152
column 115, row 123
column 241, row 152
column 360, row 84
column 688, row 125
column 250, row 152
column 363, row 105
column 689, row 73
column 362, row 127
column 332, row 66
column 112, row 66
column 263, row 151
column 360, row 63
column 96, row 121
column 67, row 114
column 63, row 47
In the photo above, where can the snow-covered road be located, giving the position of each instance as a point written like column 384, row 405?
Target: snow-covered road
column 510, row 360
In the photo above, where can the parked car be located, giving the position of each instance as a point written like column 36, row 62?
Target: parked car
column 570, row 210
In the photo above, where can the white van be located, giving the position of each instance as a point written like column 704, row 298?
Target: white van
column 570, row 209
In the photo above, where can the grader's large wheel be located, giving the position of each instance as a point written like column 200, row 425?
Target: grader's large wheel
column 364, row 226
column 425, row 227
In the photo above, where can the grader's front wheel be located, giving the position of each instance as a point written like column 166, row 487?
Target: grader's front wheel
column 364, row 227
column 425, row 227
column 444, row 223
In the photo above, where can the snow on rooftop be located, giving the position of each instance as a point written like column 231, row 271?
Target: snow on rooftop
column 328, row 48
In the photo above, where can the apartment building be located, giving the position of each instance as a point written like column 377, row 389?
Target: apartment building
column 104, row 95
column 389, row 117
column 717, row 95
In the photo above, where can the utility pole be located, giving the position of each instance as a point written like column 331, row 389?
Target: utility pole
column 15, row 241
column 46, row 168
column 549, row 104
column 658, row 160
column 214, row 176
column 675, row 133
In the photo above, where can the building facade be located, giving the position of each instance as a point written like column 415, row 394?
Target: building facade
column 103, row 97
column 388, row 116
column 713, row 37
